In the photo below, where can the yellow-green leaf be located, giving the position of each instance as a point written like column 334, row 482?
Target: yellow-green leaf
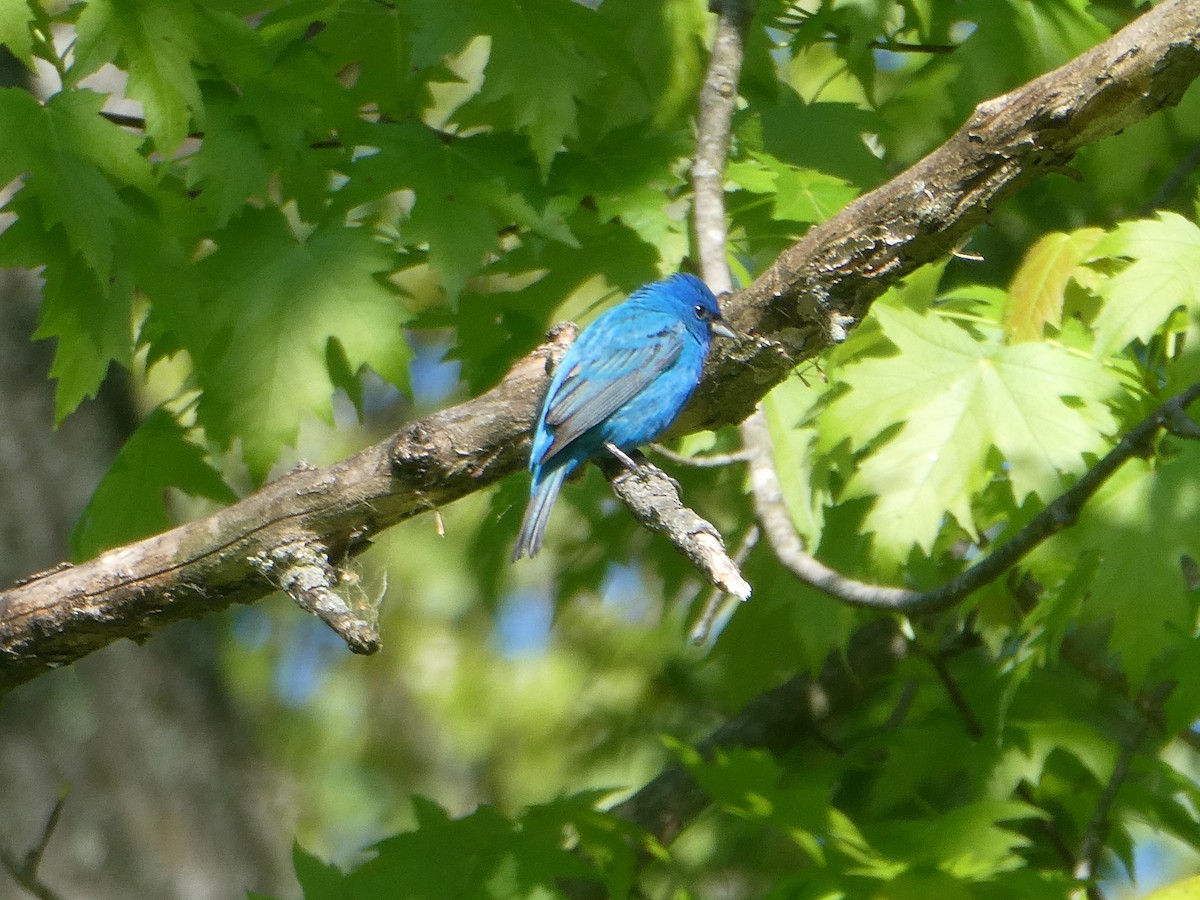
column 1164, row 274
column 1039, row 285
column 930, row 416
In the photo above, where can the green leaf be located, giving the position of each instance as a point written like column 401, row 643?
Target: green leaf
column 489, row 856
column 799, row 195
column 1182, row 707
column 1035, row 736
column 1038, row 288
column 788, row 127
column 664, row 42
column 551, row 280
column 376, row 39
column 16, row 19
column 740, row 780
column 1164, row 274
column 92, row 324
column 258, row 317
column 90, row 320
column 969, row 842
column 75, row 160
column 546, row 60
column 318, row 880
column 787, row 407
column 130, row 501
column 856, row 24
column 1142, row 523
column 154, row 43
column 953, row 399
column 1014, row 40
column 231, row 164
column 1165, row 799
column 626, row 175
column 279, row 87
column 465, row 191
column 810, row 196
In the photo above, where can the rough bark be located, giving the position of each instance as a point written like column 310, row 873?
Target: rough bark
column 813, row 293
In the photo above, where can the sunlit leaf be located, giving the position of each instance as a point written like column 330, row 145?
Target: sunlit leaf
column 15, row 21
column 1037, row 290
column 953, row 399
column 258, row 320
column 155, row 43
column 1164, row 274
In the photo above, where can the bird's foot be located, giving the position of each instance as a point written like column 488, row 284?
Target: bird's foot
column 624, row 458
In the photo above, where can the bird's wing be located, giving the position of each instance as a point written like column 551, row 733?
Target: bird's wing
column 613, row 371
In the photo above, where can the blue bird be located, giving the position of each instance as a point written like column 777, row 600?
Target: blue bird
column 622, row 382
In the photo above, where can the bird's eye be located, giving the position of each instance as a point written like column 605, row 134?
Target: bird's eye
column 700, row 311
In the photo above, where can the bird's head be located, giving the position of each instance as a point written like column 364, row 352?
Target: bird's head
column 695, row 302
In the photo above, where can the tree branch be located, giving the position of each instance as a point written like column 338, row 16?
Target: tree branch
column 303, row 569
column 653, row 498
column 55, row 617
column 807, row 297
column 827, row 281
column 1060, row 514
column 718, row 100
column 717, row 608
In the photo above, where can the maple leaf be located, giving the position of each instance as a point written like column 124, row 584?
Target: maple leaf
column 950, row 398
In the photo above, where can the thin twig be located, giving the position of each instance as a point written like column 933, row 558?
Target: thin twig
column 718, row 605
column 1096, row 833
column 957, row 698
column 25, row 871
column 1058, row 515
column 705, row 461
column 1170, row 187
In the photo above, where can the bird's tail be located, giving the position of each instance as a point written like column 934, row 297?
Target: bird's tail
column 537, row 513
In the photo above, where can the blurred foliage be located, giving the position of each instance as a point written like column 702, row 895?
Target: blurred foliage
column 341, row 213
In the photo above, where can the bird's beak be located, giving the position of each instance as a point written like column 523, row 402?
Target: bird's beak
column 719, row 326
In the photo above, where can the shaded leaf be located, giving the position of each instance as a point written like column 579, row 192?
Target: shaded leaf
column 1141, row 523
column 75, row 160
column 130, row 501
column 465, row 190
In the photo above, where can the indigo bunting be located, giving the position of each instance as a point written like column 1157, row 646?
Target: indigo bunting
column 621, row 383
